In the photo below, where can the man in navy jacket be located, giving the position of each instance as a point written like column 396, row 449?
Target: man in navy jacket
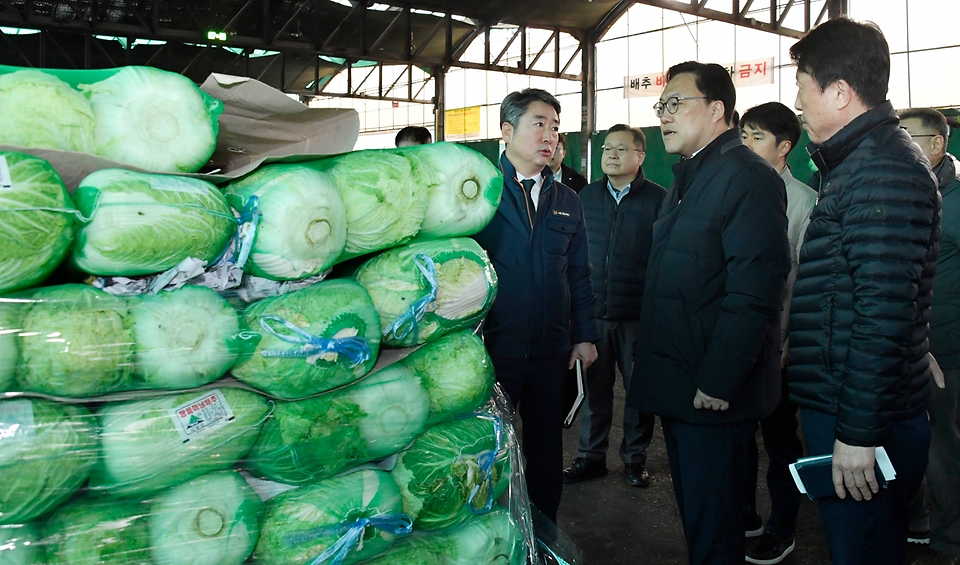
column 537, row 242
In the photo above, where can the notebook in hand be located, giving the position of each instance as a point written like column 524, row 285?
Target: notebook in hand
column 573, row 396
column 814, row 475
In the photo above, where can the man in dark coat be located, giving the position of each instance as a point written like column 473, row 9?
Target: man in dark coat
column 941, row 527
column 708, row 349
column 563, row 173
column 620, row 210
column 858, row 364
column 537, row 242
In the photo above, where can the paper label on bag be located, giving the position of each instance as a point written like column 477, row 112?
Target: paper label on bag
column 6, row 181
column 201, row 416
column 16, row 421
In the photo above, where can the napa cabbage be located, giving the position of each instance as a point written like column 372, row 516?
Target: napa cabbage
column 210, row 520
column 151, row 444
column 36, row 219
column 318, row 437
column 152, row 119
column 302, row 227
column 75, row 341
column 425, row 290
column 18, row 545
column 452, row 471
column 186, row 337
column 88, row 531
column 457, row 373
column 493, row 538
column 46, row 453
column 9, row 330
column 301, row 524
column 385, row 204
column 464, row 188
column 312, row 340
column 140, row 224
column 40, row 110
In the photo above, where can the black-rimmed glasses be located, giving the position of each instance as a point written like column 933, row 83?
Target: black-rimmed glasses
column 673, row 104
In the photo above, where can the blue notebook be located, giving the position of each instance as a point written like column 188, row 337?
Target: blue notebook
column 814, row 475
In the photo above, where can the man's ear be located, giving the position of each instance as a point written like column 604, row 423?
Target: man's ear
column 718, row 111
column 506, row 131
column 784, row 147
column 937, row 144
column 842, row 94
column 643, row 155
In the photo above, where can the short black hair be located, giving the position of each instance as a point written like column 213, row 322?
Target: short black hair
column 516, row 103
column 931, row 119
column 416, row 134
column 639, row 139
column 713, row 81
column 846, row 49
column 775, row 118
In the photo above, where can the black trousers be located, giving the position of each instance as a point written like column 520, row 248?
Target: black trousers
column 871, row 532
column 707, row 463
column 534, row 388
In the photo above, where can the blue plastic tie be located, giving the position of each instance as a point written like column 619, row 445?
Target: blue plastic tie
column 243, row 246
column 354, row 348
column 486, row 461
column 350, row 535
column 409, row 320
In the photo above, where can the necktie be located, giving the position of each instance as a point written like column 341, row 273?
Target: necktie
column 528, row 196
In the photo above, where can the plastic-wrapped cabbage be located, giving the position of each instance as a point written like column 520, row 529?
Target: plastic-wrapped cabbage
column 151, row 444
column 36, row 219
column 9, row 329
column 312, row 439
column 303, row 524
column 210, row 520
column 314, row 339
column 385, row 204
column 153, row 119
column 488, row 539
column 186, row 337
column 88, row 531
column 303, row 225
column 452, row 471
column 46, row 452
column 457, row 373
column 140, row 224
column 18, row 545
column 464, row 188
column 40, row 110
column 425, row 290
column 75, row 340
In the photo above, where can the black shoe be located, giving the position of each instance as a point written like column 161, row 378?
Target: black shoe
column 583, row 469
column 922, row 538
column 753, row 526
column 769, row 549
column 637, row 475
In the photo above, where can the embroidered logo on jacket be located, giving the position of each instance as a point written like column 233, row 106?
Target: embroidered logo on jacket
column 561, row 213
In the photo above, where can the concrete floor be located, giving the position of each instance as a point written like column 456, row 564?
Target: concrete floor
column 614, row 523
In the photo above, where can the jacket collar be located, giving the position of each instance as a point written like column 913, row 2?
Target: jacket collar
column 833, row 151
column 947, row 174
column 686, row 169
column 510, row 174
column 635, row 183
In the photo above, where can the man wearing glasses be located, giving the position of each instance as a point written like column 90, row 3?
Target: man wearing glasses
column 941, row 527
column 619, row 211
column 708, row 347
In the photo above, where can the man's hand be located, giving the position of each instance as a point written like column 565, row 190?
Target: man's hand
column 853, row 468
column 702, row 401
column 586, row 352
column 936, row 371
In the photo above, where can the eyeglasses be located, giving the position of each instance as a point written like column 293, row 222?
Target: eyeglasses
column 618, row 149
column 673, row 103
column 919, row 134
